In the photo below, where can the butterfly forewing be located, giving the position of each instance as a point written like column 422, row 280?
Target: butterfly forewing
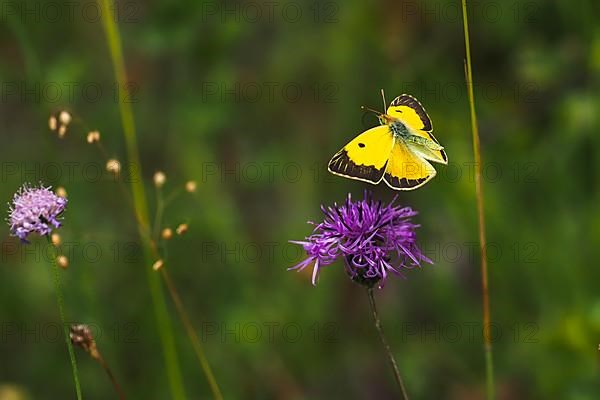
column 412, row 114
column 365, row 157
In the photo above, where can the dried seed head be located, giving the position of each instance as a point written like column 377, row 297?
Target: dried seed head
column 190, row 186
column 167, row 233
column 64, row 117
column 56, row 239
column 181, row 229
column 61, row 192
column 159, row 179
column 93, row 137
column 62, row 131
column 52, row 123
column 158, row 265
column 113, row 166
column 62, row 261
column 81, row 335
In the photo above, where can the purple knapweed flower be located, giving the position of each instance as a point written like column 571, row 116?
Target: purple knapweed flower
column 35, row 210
column 373, row 239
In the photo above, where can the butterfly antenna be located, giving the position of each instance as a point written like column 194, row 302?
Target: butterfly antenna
column 383, row 97
column 370, row 109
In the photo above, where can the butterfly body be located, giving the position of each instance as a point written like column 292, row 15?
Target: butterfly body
column 400, row 132
column 397, row 151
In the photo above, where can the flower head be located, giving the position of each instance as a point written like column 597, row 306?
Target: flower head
column 372, row 239
column 35, row 210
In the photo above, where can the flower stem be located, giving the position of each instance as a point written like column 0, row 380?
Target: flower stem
column 112, row 377
column 386, row 346
column 172, row 289
column 185, row 319
column 165, row 329
column 160, row 209
column 61, row 310
column 489, row 363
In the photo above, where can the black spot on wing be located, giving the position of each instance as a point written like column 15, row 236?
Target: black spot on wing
column 361, row 145
column 341, row 164
column 403, row 183
column 408, row 100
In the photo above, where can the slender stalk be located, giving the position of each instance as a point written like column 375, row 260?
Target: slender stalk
column 183, row 315
column 139, row 199
column 106, row 157
column 489, row 364
column 172, row 197
column 185, row 319
column 386, row 346
column 160, row 209
column 122, row 186
column 116, row 385
column 82, row 336
column 61, row 310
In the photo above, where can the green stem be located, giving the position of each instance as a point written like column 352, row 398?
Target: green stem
column 160, row 208
column 61, row 310
column 139, row 200
column 489, row 362
column 172, row 197
column 183, row 315
column 187, row 323
column 386, row 346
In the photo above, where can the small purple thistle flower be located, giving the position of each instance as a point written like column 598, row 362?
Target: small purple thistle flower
column 369, row 236
column 35, row 210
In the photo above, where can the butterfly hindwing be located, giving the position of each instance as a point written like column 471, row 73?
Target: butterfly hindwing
column 429, row 153
column 407, row 170
column 365, row 158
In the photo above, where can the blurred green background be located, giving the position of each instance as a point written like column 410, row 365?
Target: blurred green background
column 251, row 99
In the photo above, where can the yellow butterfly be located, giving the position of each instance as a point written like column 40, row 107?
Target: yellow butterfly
column 397, row 151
